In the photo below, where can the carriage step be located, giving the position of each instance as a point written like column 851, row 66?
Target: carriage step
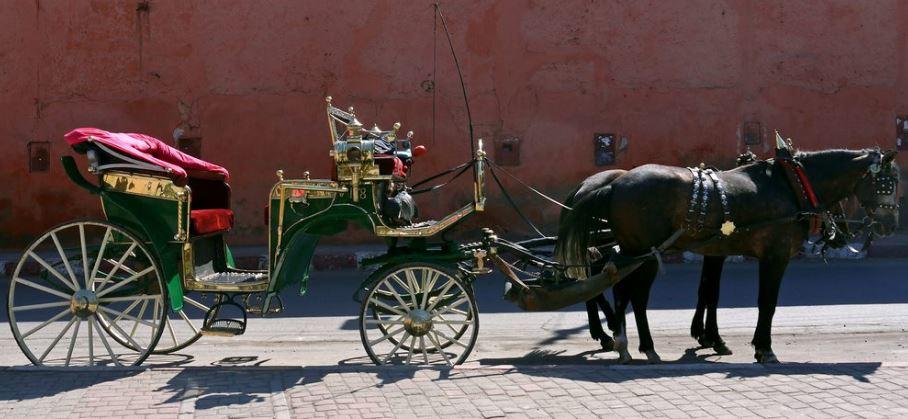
column 233, row 278
column 229, row 282
column 224, row 327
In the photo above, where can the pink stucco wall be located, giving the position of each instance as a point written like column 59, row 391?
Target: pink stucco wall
column 677, row 78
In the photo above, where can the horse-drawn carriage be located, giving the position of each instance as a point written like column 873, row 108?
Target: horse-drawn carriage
column 156, row 273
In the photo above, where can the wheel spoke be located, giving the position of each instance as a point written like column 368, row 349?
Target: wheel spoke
column 396, row 295
column 43, row 288
column 84, row 265
column 434, row 339
column 396, row 348
column 429, row 286
column 128, row 309
column 117, row 266
column 410, row 349
column 398, row 321
column 451, row 307
column 173, row 335
column 124, row 315
column 99, row 257
column 135, row 298
column 452, row 340
column 448, row 323
column 106, row 344
column 65, row 259
column 132, row 342
column 40, row 306
column 444, row 291
column 53, row 271
column 72, row 339
column 46, row 322
column 386, row 307
column 422, row 346
column 91, row 344
column 136, row 324
column 387, row 336
column 124, row 282
column 195, row 303
column 414, row 286
column 186, row 318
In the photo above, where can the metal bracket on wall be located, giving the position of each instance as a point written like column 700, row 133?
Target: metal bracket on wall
column 38, row 156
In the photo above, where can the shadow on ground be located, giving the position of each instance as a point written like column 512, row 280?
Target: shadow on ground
column 236, row 380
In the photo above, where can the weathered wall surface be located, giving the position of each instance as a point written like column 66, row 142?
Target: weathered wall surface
column 676, row 78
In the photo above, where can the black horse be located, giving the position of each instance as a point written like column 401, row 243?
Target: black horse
column 649, row 204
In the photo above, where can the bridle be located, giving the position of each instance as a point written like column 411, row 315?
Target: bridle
column 835, row 232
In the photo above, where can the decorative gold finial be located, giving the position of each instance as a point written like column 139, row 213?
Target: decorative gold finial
column 409, row 134
column 350, row 109
column 396, row 126
column 328, row 99
column 306, row 175
column 280, row 175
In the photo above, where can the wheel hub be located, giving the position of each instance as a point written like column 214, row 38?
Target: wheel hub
column 418, row 322
column 84, row 303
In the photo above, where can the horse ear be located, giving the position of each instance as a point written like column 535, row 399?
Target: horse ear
column 889, row 156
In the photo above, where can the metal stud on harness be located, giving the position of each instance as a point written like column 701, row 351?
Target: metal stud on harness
column 700, row 193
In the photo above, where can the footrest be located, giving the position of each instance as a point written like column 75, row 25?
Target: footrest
column 217, row 323
column 224, row 327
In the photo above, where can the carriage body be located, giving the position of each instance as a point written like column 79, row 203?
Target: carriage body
column 172, row 212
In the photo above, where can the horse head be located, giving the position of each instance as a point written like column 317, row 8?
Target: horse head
column 877, row 192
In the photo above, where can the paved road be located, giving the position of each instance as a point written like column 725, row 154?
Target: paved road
column 840, row 332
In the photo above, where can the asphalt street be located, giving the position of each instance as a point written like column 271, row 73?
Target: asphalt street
column 839, row 332
column 841, row 311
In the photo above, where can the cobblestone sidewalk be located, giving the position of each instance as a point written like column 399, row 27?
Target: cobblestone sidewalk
column 675, row 391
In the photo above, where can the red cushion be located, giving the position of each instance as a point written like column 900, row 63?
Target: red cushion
column 207, row 221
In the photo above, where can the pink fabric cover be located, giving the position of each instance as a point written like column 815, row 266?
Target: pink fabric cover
column 148, row 149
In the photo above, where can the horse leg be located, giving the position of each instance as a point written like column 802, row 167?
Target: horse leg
column 621, row 292
column 714, row 266
column 646, row 275
column 596, row 331
column 606, row 341
column 771, row 271
column 708, row 302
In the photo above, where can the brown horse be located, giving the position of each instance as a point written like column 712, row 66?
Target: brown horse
column 649, row 204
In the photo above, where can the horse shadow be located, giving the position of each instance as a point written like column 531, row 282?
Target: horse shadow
column 543, row 362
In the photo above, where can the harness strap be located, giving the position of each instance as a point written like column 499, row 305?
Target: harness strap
column 803, row 190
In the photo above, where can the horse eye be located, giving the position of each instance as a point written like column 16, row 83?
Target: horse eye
column 875, row 168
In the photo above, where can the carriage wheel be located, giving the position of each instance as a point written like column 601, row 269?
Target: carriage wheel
column 182, row 328
column 419, row 313
column 69, row 286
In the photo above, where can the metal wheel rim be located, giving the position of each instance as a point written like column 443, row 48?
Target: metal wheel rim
column 443, row 298
column 70, row 300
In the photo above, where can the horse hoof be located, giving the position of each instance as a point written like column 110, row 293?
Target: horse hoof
column 766, row 357
column 621, row 347
column 721, row 349
column 652, row 357
column 706, row 342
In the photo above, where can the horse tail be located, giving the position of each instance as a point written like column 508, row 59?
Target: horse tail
column 575, row 228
